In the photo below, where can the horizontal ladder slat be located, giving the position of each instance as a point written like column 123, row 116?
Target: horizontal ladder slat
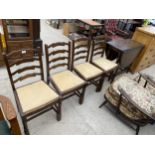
column 26, row 76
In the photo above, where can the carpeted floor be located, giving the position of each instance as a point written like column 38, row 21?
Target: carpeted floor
column 86, row 119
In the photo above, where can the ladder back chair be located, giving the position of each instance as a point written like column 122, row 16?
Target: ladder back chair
column 81, row 65
column 66, row 82
column 97, row 58
column 33, row 96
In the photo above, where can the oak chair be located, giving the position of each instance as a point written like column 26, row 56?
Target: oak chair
column 32, row 94
column 8, row 118
column 59, row 74
column 97, row 58
column 82, row 66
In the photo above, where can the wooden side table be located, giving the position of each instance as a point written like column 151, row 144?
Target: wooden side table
column 127, row 50
column 92, row 25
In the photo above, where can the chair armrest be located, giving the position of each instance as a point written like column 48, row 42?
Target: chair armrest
column 10, row 114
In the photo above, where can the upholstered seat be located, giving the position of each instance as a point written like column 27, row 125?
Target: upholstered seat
column 88, row 71
column 105, row 64
column 35, row 96
column 4, row 129
column 67, row 81
column 113, row 96
column 141, row 97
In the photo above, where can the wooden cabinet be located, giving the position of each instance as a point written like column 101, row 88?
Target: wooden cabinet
column 21, row 33
column 146, row 36
column 1, row 57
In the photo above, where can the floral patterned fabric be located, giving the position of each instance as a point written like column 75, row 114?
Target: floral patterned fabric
column 127, row 109
column 141, row 96
column 111, row 25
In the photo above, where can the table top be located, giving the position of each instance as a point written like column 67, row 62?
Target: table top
column 90, row 22
column 125, row 44
column 147, row 29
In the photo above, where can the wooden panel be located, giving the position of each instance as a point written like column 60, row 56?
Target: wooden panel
column 1, row 57
column 147, row 55
column 17, row 45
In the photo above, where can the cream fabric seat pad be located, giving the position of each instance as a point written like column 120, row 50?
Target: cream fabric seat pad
column 88, row 70
column 105, row 64
column 67, row 81
column 35, row 96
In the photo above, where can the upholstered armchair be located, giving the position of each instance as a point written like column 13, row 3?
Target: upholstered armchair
column 131, row 101
column 112, row 29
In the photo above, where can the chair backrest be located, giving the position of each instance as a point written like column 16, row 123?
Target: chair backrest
column 24, row 64
column 57, row 56
column 80, row 50
column 98, row 47
column 111, row 25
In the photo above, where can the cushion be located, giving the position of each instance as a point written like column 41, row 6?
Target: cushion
column 35, row 96
column 88, row 71
column 67, row 81
column 4, row 129
column 105, row 64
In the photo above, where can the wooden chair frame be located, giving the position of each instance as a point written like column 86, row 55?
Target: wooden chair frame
column 10, row 61
column 98, row 80
column 147, row 80
column 69, row 93
column 102, row 46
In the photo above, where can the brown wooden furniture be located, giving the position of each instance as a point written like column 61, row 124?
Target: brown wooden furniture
column 8, row 112
column 93, row 26
column 33, row 96
column 22, row 33
column 90, row 22
column 97, row 57
column 1, row 57
column 66, row 83
column 81, row 65
column 146, row 36
column 127, row 51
